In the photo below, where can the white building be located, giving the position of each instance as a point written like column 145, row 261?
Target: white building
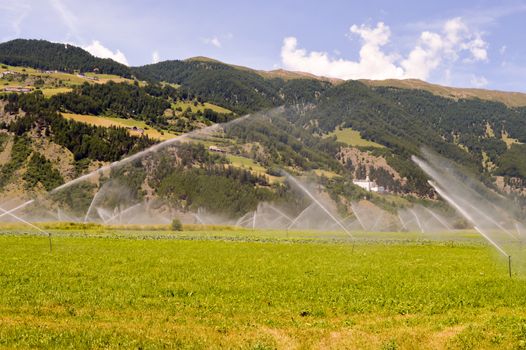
column 369, row 185
column 216, row 149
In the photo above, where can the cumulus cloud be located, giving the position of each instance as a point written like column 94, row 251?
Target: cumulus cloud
column 99, row 50
column 479, row 81
column 214, row 41
column 155, row 57
column 432, row 49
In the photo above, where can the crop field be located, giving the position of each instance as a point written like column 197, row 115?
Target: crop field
column 121, row 122
column 353, row 138
column 49, row 88
column 230, row 288
column 199, row 107
column 249, row 164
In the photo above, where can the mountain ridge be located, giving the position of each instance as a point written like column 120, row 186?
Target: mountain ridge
column 486, row 136
column 26, row 51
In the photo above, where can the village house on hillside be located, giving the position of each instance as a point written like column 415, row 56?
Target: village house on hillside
column 17, row 89
column 369, row 185
column 6, row 73
column 213, row 148
column 136, row 129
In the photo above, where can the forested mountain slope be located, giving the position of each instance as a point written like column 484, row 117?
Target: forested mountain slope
column 240, row 90
column 488, row 138
column 43, row 54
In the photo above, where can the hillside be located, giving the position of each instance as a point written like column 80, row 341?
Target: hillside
column 269, row 74
column 239, row 89
column 45, row 55
column 310, row 126
column 469, row 131
column 511, row 99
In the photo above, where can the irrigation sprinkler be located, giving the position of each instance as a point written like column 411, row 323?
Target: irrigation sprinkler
column 490, row 219
column 502, row 251
column 243, row 219
column 402, row 222
column 439, row 219
column 468, row 216
column 428, row 169
column 315, row 200
column 8, row 212
column 198, row 218
column 138, row 155
column 5, row 212
column 280, row 213
column 377, row 221
column 149, row 150
column 293, row 222
column 417, row 220
column 358, row 217
column 91, row 205
column 119, row 214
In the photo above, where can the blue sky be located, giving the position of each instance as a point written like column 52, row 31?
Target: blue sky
column 459, row 43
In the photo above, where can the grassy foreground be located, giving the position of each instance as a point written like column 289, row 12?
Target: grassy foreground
column 115, row 292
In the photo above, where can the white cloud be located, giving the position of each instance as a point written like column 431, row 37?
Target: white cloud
column 503, row 49
column 213, row 41
column 430, row 52
column 98, row 50
column 155, row 57
column 478, row 81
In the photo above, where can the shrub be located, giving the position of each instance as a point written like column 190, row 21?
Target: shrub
column 177, row 225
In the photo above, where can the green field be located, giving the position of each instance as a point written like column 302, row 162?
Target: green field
column 199, row 107
column 51, row 79
column 254, row 290
column 123, row 123
column 353, row 138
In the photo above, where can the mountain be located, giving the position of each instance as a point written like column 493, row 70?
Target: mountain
column 237, row 88
column 511, row 99
column 335, row 130
column 483, row 135
column 45, row 55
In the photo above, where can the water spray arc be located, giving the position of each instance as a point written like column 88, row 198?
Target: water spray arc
column 5, row 212
column 402, row 221
column 280, row 213
column 439, row 219
column 470, row 218
column 140, row 154
column 296, row 219
column 318, row 203
column 355, row 211
column 9, row 212
column 417, row 220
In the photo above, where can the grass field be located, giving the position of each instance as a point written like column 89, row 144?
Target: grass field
column 121, row 122
column 68, row 79
column 48, row 92
column 229, row 289
column 200, row 107
column 249, row 164
column 353, row 138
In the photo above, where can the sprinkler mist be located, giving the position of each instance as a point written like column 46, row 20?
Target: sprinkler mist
column 10, row 213
column 139, row 155
column 304, row 189
column 489, row 213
